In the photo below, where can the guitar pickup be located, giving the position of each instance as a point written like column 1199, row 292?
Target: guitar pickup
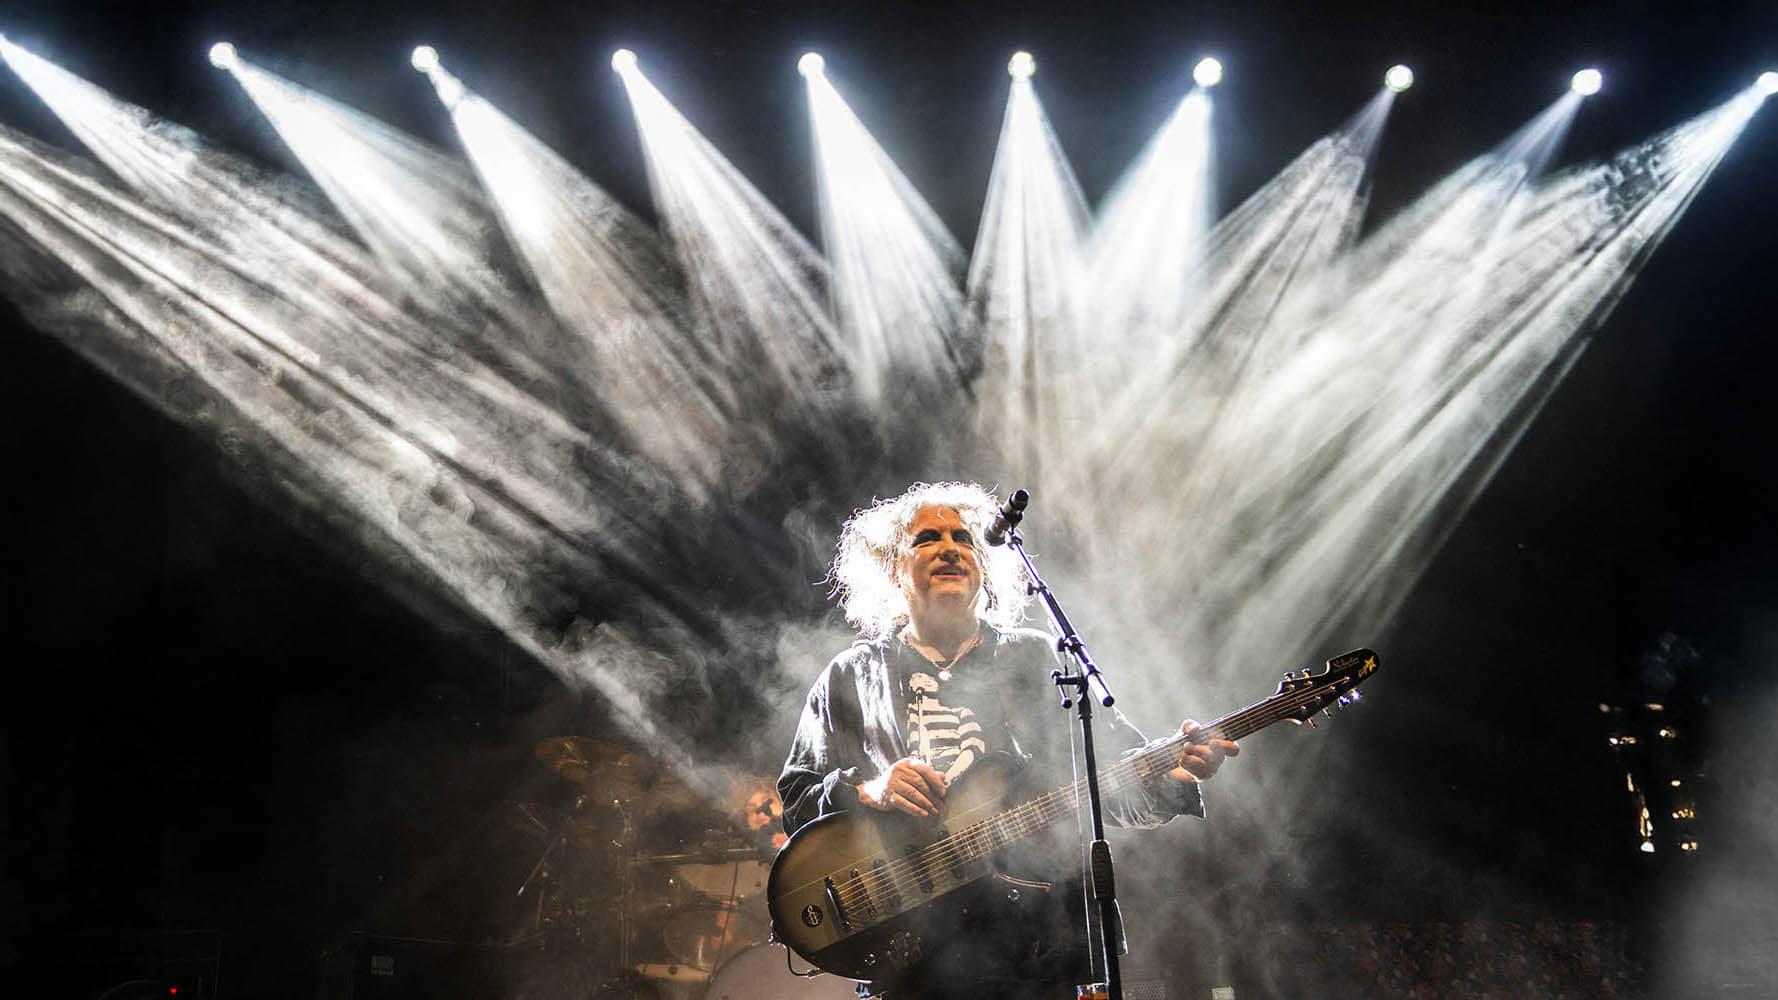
column 833, row 900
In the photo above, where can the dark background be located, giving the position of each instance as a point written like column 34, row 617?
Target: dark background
column 215, row 720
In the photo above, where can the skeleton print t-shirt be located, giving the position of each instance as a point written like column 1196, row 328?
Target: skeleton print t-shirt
column 941, row 729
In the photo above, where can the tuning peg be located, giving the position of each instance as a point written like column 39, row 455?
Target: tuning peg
column 1309, row 721
column 1328, row 712
column 1357, row 694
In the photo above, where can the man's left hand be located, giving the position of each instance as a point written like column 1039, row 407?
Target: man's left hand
column 1199, row 761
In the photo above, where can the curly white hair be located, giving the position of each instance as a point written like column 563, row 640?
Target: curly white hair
column 867, row 574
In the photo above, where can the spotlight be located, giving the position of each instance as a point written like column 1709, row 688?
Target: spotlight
column 1767, row 83
column 1021, row 66
column 623, row 60
column 425, row 58
column 1587, row 82
column 1208, row 72
column 222, row 56
column 1398, row 78
column 811, row 64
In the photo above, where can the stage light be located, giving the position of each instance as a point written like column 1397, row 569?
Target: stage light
column 424, row 59
column 1587, row 82
column 623, row 60
column 1021, row 66
column 223, row 56
column 1767, row 83
column 1398, row 78
column 1208, row 72
column 811, row 64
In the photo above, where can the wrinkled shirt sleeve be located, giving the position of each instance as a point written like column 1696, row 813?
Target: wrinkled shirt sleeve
column 821, row 774
column 1153, row 802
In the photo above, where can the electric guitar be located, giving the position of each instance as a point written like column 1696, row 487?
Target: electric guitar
column 855, row 893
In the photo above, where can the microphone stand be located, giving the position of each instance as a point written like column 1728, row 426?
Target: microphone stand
column 1074, row 688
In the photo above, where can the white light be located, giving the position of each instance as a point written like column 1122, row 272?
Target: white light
column 810, row 64
column 1398, row 78
column 222, row 56
column 623, row 60
column 424, row 59
column 1208, row 72
column 1767, row 83
column 1021, row 66
column 1587, row 82
column 1648, row 847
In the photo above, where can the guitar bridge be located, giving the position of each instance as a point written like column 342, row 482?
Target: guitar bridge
column 833, row 900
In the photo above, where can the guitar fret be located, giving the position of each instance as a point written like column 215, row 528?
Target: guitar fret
column 899, row 881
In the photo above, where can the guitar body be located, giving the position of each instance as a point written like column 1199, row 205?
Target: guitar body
column 862, row 894
column 838, row 898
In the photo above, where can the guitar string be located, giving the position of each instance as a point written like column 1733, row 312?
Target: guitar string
column 1023, row 820
column 985, row 836
column 965, row 845
column 1032, row 816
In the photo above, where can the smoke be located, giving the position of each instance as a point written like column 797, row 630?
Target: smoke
column 626, row 449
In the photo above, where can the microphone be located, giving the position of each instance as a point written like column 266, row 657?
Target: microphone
column 1011, row 513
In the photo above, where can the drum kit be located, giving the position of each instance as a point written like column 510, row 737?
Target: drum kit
column 650, row 889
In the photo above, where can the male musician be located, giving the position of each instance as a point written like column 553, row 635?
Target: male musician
column 940, row 678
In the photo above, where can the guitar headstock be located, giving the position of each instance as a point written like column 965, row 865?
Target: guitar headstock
column 1300, row 696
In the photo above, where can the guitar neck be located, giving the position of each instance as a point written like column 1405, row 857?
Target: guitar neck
column 989, row 835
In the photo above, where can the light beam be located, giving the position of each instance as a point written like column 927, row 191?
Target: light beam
column 895, row 267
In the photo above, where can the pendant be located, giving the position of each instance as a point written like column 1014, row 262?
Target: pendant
column 944, row 674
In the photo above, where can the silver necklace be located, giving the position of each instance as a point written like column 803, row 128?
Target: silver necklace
column 944, row 668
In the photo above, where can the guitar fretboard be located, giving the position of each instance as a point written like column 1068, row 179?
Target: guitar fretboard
column 987, row 836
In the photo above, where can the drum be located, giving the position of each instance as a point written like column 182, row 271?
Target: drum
column 705, row 936
column 743, row 878
column 759, row 973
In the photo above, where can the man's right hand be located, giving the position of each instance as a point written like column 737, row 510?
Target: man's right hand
column 910, row 785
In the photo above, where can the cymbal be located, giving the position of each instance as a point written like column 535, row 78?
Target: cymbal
column 561, row 752
column 609, row 771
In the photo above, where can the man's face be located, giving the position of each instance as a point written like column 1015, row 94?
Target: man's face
column 939, row 566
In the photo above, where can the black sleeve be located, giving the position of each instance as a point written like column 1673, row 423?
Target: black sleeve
column 1155, row 801
column 821, row 774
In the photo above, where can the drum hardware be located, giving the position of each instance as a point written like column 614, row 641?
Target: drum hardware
column 684, row 917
